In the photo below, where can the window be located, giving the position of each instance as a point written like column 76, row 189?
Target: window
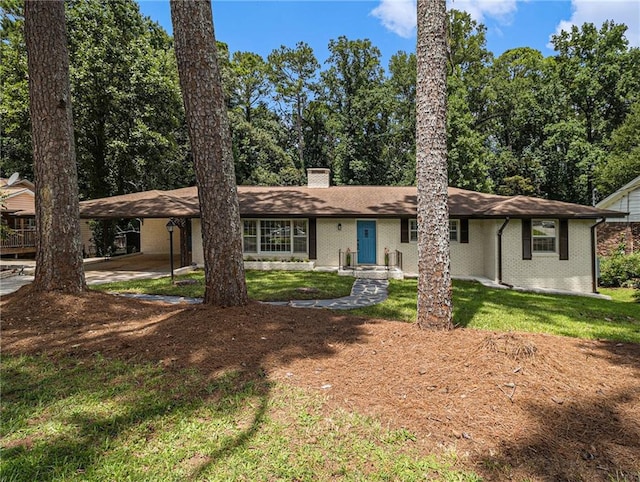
column 454, row 230
column 413, row 230
column 300, row 236
column 275, row 236
column 250, row 237
column 543, row 236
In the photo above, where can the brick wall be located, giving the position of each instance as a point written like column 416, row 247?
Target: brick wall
column 612, row 235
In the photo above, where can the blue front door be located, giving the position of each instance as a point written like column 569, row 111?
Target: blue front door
column 366, row 242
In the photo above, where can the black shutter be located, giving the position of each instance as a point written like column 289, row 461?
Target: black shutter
column 464, row 230
column 526, row 239
column 564, row 239
column 312, row 239
column 404, row 230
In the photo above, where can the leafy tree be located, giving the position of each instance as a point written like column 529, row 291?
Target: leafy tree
column 358, row 108
column 292, row 73
column 622, row 164
column 251, row 83
column 434, row 275
column 58, row 245
column 208, row 125
column 260, row 150
column 600, row 77
column 400, row 149
column 15, row 127
column 129, row 117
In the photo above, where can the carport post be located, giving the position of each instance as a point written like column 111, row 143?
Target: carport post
column 170, row 225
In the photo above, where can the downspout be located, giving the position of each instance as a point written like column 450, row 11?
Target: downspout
column 504, row 225
column 594, row 256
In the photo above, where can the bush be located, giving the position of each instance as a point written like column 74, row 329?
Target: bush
column 620, row 270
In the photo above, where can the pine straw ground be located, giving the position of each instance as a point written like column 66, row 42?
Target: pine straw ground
column 511, row 405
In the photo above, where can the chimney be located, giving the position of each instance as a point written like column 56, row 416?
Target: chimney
column 318, row 177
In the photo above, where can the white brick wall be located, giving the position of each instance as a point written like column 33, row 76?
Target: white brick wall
column 330, row 240
column 477, row 258
column 154, row 237
column 546, row 270
column 318, row 178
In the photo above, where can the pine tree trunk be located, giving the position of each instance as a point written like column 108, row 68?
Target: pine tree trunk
column 210, row 138
column 434, row 276
column 58, row 247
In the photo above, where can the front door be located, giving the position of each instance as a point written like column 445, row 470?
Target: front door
column 366, row 242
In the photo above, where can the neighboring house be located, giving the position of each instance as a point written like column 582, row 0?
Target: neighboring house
column 18, row 206
column 520, row 241
column 623, row 232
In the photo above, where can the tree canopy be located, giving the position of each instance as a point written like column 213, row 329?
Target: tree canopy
column 562, row 127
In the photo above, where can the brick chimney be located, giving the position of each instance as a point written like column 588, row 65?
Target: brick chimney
column 318, row 177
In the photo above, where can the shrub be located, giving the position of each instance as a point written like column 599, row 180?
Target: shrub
column 620, row 270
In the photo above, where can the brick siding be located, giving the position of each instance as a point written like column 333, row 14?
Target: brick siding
column 612, row 235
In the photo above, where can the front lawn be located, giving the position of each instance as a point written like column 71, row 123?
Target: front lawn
column 261, row 285
column 96, row 420
column 477, row 306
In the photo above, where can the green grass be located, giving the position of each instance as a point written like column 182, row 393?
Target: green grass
column 477, row 306
column 261, row 285
column 102, row 420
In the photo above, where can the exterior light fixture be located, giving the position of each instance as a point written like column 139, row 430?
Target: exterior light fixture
column 170, row 227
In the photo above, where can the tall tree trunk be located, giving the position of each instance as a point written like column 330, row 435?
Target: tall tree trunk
column 210, row 138
column 58, row 246
column 434, row 276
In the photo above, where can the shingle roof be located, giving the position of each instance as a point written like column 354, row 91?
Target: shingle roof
column 337, row 201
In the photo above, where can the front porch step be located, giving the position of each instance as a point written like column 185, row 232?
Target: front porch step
column 372, row 272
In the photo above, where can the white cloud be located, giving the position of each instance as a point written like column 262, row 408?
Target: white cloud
column 500, row 10
column 598, row 11
column 399, row 16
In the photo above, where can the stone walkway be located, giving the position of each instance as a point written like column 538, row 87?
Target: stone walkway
column 365, row 292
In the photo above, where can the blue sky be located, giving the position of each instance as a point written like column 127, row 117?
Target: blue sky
column 261, row 26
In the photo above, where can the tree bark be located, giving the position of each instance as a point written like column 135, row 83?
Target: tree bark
column 434, row 276
column 58, row 244
column 210, row 138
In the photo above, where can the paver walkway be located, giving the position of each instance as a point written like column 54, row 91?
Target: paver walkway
column 365, row 292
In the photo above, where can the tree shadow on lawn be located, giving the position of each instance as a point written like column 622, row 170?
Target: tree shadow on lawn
column 576, row 440
column 226, row 353
column 540, row 313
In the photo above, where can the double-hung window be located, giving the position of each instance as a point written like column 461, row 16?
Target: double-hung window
column 454, row 230
column 543, row 235
column 413, row 230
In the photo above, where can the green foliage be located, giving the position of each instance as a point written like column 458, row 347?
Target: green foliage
column 555, row 127
column 622, row 165
column 620, row 270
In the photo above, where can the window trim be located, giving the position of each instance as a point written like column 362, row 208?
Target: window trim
column 292, row 237
column 534, row 236
column 457, row 230
column 413, row 228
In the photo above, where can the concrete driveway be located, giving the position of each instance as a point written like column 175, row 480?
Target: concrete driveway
column 128, row 267
column 98, row 270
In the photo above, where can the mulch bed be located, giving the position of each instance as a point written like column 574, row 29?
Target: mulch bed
column 511, row 405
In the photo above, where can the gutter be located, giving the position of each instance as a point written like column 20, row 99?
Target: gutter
column 594, row 256
column 504, row 225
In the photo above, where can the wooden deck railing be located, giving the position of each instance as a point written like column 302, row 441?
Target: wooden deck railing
column 19, row 239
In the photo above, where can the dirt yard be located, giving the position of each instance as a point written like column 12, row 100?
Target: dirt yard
column 512, row 406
